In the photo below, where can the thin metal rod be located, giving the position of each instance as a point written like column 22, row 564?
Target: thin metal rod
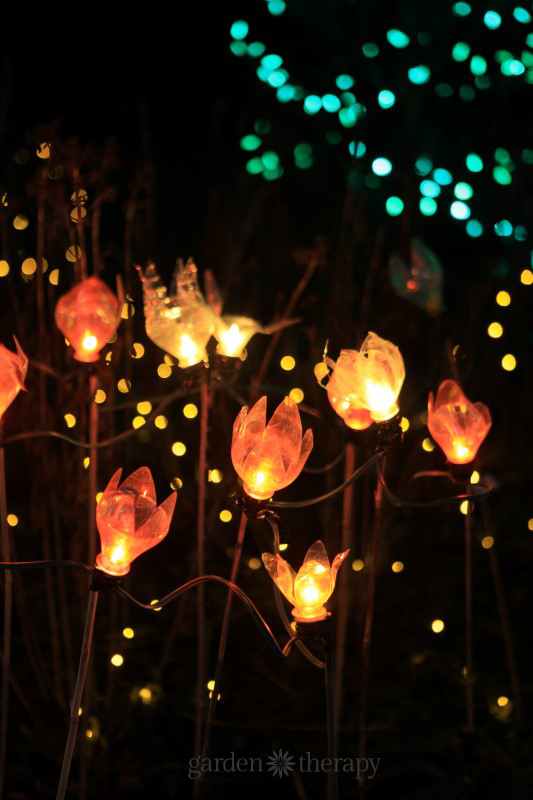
column 93, row 465
column 468, row 622
column 329, row 676
column 223, row 636
column 8, row 613
column 342, row 596
column 75, row 707
column 200, row 566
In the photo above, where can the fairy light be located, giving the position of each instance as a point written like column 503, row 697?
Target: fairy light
column 526, row 277
column 12, row 520
column 144, row 407
column 4, row 268
column 296, row 394
column 137, row 350
column 437, row 626
column 475, row 477
column 128, row 633
column 225, row 515
column 287, row 363
column 70, row 420
column 404, row 424
column 86, row 462
column 428, row 445
column 254, row 563
column 398, row 566
column 214, row 476
column 161, row 422
column 509, row 362
column 179, row 449
column 100, row 396
column 164, row 371
column 117, row 660
column 138, row 422
column 190, row 411
column 124, row 385
column 464, row 507
column 495, row 330
column 503, row 298
column 98, row 496
column 530, row 524
column 502, row 701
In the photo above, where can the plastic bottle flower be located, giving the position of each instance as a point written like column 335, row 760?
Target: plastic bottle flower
column 88, row 316
column 456, row 424
column 356, row 418
column 233, row 333
column 269, row 457
column 373, row 376
column 312, row 586
column 13, row 368
column 130, row 521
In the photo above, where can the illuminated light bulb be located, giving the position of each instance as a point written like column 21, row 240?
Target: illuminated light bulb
column 233, row 332
column 457, row 425
column 287, row 363
column 130, row 521
column 88, row 316
column 179, row 449
column 428, row 445
column 310, row 589
column 13, row 369
column 164, row 371
column 374, row 375
column 475, row 477
column 269, row 457
column 347, row 407
column 190, row 411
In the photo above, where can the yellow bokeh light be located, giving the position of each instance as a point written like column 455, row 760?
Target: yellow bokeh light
column 398, row 566
column 164, row 371
column 211, row 685
column 86, row 462
column 73, row 253
column 100, row 396
column 225, row 515
column 169, row 360
column 526, row 277
column 176, row 483
column 128, row 310
column 117, row 660
column 495, row 330
column 124, row 386
column 503, row 298
column 44, row 150
column 475, row 477
column 29, row 266
column 464, row 507
column 138, row 422
column 21, row 222
column 54, row 277
column 137, row 350
column 99, row 496
column 12, row 520
column 283, row 547
column 530, row 524
column 437, row 626
column 428, row 445
column 214, row 476
column 144, row 407
column 128, row 633
column 508, row 362
column 296, row 395
column 145, row 694
column 161, row 422
column 287, row 363
column 502, row 701
column 358, row 565
column 254, row 563
column 154, row 603
column 190, row 411
column 179, row 449
column 404, row 424
column 4, row 269
column 487, row 542
column 70, row 419
column 78, row 213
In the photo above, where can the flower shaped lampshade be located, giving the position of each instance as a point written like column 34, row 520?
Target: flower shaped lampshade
column 233, row 333
column 13, row 368
column 269, row 457
column 130, row 521
column 312, row 586
column 356, row 418
column 374, row 375
column 456, row 424
column 181, row 323
column 88, row 316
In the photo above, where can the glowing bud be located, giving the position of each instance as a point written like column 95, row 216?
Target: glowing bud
column 233, row 333
column 88, row 316
column 456, row 424
column 310, row 589
column 348, row 407
column 13, row 368
column 269, row 457
column 130, row 521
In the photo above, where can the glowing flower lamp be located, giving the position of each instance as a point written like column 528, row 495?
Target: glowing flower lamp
column 348, row 409
column 374, row 376
column 130, row 521
column 233, row 333
column 88, row 316
column 419, row 281
column 312, row 586
column 181, row 323
column 13, row 368
column 269, row 457
column 456, row 424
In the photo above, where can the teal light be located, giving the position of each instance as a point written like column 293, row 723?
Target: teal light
column 254, row 166
column 419, row 74
column 270, row 160
column 522, row 15
column 348, row 98
column 272, row 174
column 397, row 38
column 428, row 206
column 461, row 9
column 459, row 210
column 286, row 93
column 358, row 150
column 394, row 206
column 512, row 67
column 502, row 55
column 478, row 65
column 520, row 233
column 256, row 49
column 386, row 99
column 344, row 82
column 460, row 51
column 334, row 137
column 502, row 176
column 250, row 142
column 262, row 73
column 430, row 188
column 262, row 126
column 474, row 162
column 312, row 104
column 466, row 93
column 502, row 155
column 474, row 228
column 302, row 150
column 443, row 90
column 239, row 29
column 482, row 82
column 348, row 116
column 271, row 61
column 492, row 20
column 527, row 156
column 503, row 228
column 527, row 58
column 529, row 40
column 238, row 48
column 331, row 103
column 442, row 176
column 370, row 50
column 463, row 191
column 277, row 79
column 423, row 165
column 276, row 7
column 381, row 166
column 305, row 163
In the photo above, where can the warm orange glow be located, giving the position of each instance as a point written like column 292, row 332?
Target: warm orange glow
column 130, row 521
column 456, row 424
column 308, row 590
column 269, row 457
column 234, row 333
column 88, row 316
column 347, row 408
column 13, row 368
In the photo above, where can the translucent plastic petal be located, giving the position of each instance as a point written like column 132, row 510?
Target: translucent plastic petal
column 337, row 561
column 13, row 367
column 457, row 425
column 88, row 316
column 281, row 573
column 317, row 552
column 248, row 431
column 286, row 426
column 305, row 449
column 263, row 472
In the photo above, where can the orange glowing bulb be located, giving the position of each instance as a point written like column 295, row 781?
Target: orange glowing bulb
column 348, row 408
column 130, row 521
column 310, row 589
column 456, row 424
column 88, row 316
column 13, row 368
column 269, row 457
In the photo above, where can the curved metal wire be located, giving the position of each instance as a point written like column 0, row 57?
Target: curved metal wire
column 327, row 467
column 24, row 565
column 474, row 493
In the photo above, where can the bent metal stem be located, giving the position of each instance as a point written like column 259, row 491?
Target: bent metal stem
column 8, row 606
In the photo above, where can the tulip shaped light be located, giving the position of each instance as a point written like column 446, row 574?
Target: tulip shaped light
column 456, row 424
column 269, row 457
column 374, row 375
column 88, row 316
column 312, row 586
column 233, row 333
column 13, row 368
column 130, row 521
column 355, row 417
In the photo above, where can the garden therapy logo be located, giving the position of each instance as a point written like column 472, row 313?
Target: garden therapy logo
column 280, row 763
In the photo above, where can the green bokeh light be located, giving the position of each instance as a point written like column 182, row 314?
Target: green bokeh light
column 460, row 51
column 428, row 206
column 419, row 74
column 256, row 49
column 474, row 163
column 502, row 155
column 239, row 29
column 397, row 38
column 527, row 156
column 270, row 160
column 348, row 116
column 459, row 210
column 423, row 165
column 302, row 150
column 467, row 93
column 334, row 137
column 312, row 104
column 238, row 48
column 461, row 9
column 478, row 65
column 331, row 103
column 276, row 7
column 262, row 126
column 277, row 79
column 502, row 176
column 344, row 82
column 512, row 66
column 463, row 191
column 381, row 166
column 357, row 149
column 502, row 55
column 443, row 90
column 394, row 206
column 386, row 98
column 503, row 228
column 442, row 176
column 430, row 188
column 254, row 166
column 286, row 93
column 370, row 50
column 348, row 98
column 492, row 20
column 250, row 142
column 271, row 61
column 521, row 15
column 474, row 228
